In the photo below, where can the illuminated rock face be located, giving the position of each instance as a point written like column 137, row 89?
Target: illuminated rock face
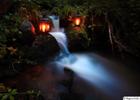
column 27, row 26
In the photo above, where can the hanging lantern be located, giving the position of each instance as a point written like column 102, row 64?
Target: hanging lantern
column 77, row 21
column 44, row 26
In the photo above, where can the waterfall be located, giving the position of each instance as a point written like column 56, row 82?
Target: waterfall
column 60, row 37
column 55, row 21
column 89, row 68
column 62, row 42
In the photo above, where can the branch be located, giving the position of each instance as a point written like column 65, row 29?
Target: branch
column 124, row 47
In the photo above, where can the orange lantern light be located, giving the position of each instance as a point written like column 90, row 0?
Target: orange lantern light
column 33, row 29
column 44, row 26
column 77, row 21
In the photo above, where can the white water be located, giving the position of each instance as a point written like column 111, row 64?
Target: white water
column 56, row 24
column 62, row 42
column 88, row 68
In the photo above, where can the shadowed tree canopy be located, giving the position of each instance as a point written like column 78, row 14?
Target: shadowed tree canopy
column 122, row 18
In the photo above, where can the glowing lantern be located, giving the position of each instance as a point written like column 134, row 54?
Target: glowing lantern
column 77, row 21
column 44, row 26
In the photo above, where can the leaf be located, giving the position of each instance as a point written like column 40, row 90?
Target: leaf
column 14, row 91
column 12, row 97
column 9, row 90
column 38, row 93
column 3, row 38
column 1, row 95
column 5, row 97
column 30, row 92
column 7, row 17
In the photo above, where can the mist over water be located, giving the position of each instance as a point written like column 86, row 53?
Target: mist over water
column 93, row 71
column 87, row 67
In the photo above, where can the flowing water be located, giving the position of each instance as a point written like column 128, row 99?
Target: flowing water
column 89, row 67
column 62, row 42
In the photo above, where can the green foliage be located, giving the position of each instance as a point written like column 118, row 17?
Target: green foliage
column 3, row 51
column 32, row 92
column 78, row 36
column 9, row 27
column 70, row 10
column 12, row 40
column 11, row 94
column 126, row 12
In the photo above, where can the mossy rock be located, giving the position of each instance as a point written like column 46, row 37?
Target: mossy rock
column 78, row 40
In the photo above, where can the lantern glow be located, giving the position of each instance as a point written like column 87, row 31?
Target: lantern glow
column 33, row 29
column 77, row 21
column 44, row 27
